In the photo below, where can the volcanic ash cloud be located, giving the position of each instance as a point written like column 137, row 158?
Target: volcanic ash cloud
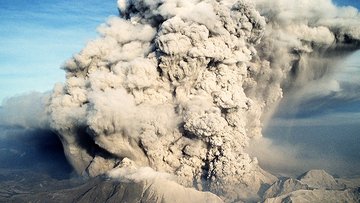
column 178, row 86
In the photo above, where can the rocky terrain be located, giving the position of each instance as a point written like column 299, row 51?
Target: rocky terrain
column 27, row 186
column 313, row 186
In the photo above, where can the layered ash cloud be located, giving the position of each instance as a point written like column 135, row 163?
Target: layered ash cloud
column 319, row 36
column 305, row 41
column 182, row 86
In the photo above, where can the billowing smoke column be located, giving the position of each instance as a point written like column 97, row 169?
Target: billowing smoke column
column 182, row 85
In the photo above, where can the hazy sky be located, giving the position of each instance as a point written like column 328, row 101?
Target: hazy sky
column 37, row 36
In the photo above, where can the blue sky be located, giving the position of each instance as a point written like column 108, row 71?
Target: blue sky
column 354, row 3
column 37, row 36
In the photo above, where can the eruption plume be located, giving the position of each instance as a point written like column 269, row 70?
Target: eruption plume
column 181, row 86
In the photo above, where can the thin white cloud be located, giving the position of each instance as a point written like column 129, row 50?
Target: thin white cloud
column 26, row 111
column 340, row 118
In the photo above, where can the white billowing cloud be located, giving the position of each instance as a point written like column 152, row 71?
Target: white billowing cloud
column 128, row 171
column 181, row 87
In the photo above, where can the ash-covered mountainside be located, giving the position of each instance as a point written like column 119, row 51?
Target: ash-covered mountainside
column 26, row 186
column 313, row 186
